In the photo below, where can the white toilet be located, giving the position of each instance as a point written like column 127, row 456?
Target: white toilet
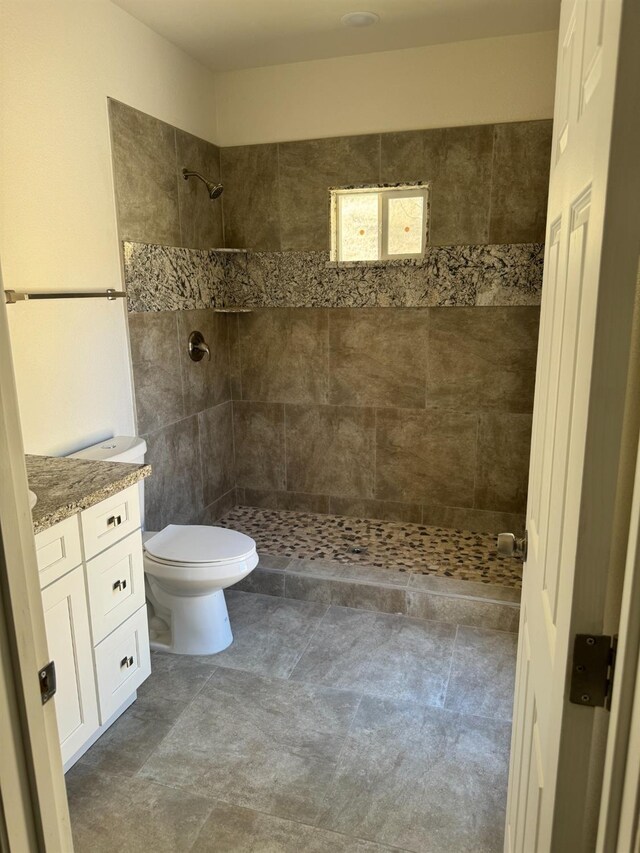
column 187, row 567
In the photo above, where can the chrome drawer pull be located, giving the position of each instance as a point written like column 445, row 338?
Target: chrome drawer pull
column 126, row 661
column 120, row 585
column 114, row 521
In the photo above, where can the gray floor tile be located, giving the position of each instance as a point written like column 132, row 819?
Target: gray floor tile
column 269, row 633
column 127, row 744
column 424, row 779
column 261, row 743
column 110, row 813
column 176, row 677
column 230, row 829
column 378, row 653
column 483, row 673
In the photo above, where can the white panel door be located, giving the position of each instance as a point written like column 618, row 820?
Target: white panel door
column 69, row 641
column 569, row 538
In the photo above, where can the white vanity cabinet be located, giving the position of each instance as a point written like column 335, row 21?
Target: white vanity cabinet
column 92, row 581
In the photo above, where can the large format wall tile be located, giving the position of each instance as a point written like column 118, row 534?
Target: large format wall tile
column 482, row 358
column 250, row 200
column 216, row 445
column 144, row 159
column 259, row 445
column 384, row 510
column 503, row 462
column 173, row 495
column 307, row 170
column 200, row 216
column 284, row 356
column 461, row 190
column 330, row 450
column 522, row 155
column 206, row 382
column 425, row 456
column 457, row 163
column 156, row 369
column 377, row 357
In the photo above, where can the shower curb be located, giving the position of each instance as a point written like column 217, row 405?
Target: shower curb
column 413, row 595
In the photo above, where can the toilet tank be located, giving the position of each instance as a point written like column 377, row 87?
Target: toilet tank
column 120, row 448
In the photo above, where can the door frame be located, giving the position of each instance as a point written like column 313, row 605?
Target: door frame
column 34, row 813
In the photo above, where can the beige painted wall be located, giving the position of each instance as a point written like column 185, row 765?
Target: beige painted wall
column 475, row 82
column 59, row 62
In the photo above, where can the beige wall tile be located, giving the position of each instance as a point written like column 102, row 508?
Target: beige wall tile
column 200, row 216
column 216, row 447
column 384, row 510
column 156, row 369
column 284, row 355
column 457, row 162
column 173, row 495
column 425, row 456
column 307, row 170
column 205, row 382
column 144, row 166
column 377, row 356
column 259, row 445
column 475, row 520
column 250, row 199
column 482, row 358
column 522, row 156
column 330, row 449
column 503, row 462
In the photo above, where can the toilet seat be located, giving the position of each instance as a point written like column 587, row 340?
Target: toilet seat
column 193, row 546
column 187, row 568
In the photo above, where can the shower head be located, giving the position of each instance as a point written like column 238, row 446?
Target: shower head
column 214, row 190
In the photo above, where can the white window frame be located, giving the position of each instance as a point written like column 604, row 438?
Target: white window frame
column 384, row 194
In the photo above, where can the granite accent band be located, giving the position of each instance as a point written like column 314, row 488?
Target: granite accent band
column 168, row 278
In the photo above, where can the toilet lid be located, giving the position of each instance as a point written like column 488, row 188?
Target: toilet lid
column 196, row 543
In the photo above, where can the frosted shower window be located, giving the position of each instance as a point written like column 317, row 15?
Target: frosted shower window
column 378, row 223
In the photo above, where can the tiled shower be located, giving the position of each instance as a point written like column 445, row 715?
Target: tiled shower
column 399, row 392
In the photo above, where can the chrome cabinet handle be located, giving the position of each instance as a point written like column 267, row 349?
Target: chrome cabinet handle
column 120, row 585
column 114, row 521
column 126, row 661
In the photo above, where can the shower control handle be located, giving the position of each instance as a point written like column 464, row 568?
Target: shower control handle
column 198, row 348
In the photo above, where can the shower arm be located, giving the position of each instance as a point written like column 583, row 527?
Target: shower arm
column 213, row 189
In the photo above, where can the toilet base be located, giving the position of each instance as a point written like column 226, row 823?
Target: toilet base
column 195, row 625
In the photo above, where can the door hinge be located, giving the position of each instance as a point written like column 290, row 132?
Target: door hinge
column 47, row 679
column 594, row 659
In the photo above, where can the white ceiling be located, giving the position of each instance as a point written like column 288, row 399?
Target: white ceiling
column 232, row 34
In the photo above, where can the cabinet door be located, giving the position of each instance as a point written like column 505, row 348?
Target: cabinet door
column 69, row 640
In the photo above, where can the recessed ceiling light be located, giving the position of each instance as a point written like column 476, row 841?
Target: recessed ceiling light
column 359, row 19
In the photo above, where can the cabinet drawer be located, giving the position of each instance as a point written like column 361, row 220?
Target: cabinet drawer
column 123, row 662
column 109, row 521
column 58, row 550
column 115, row 580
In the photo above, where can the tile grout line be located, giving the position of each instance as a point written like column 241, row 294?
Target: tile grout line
column 188, row 705
column 453, row 652
column 278, row 817
column 313, row 634
column 338, row 759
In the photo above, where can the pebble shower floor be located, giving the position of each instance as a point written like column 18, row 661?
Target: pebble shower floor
column 401, row 546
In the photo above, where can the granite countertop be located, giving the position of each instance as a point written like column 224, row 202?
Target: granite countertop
column 66, row 486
